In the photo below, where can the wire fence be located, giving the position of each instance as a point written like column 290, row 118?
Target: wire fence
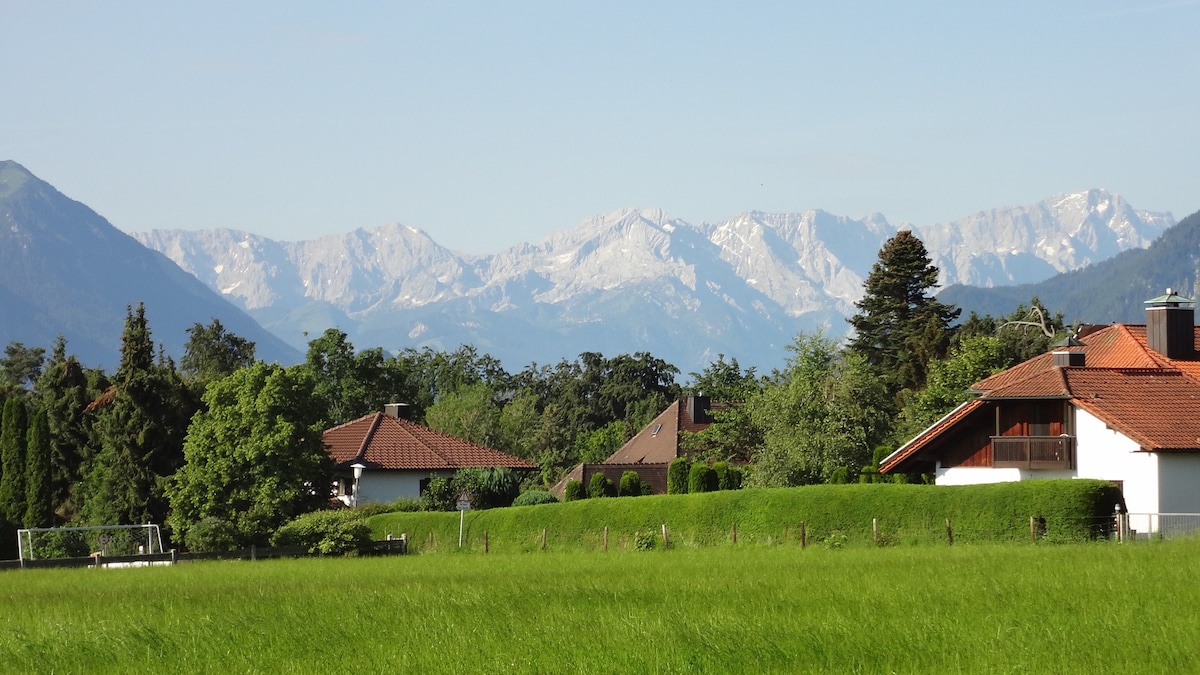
column 1142, row 526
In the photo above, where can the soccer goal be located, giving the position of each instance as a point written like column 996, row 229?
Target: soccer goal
column 41, row 543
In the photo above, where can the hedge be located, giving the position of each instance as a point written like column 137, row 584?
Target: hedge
column 1063, row 510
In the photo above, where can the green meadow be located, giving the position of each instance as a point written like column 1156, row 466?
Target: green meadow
column 1065, row 608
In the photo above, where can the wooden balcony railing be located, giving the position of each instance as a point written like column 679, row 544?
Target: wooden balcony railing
column 1033, row 452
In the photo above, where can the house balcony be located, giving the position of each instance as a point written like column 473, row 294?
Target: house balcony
column 1033, row 452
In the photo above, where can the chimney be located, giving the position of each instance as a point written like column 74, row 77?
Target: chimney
column 1063, row 359
column 400, row 411
column 697, row 407
column 1170, row 322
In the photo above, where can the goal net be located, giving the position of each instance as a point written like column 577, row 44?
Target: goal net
column 41, row 543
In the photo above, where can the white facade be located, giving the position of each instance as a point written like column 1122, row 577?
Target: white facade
column 382, row 486
column 1152, row 482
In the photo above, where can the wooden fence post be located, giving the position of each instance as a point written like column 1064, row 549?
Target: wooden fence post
column 949, row 533
column 803, row 534
column 733, row 535
column 431, row 540
column 875, row 530
column 666, row 541
column 253, row 552
column 543, row 539
column 485, row 541
column 606, row 539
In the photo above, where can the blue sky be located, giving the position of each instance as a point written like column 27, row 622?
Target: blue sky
column 487, row 124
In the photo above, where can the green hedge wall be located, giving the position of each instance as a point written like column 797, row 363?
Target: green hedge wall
column 1072, row 510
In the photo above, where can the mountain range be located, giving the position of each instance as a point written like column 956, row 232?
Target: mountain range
column 65, row 270
column 634, row 280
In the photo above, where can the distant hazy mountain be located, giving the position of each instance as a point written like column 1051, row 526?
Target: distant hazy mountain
column 65, row 270
column 1113, row 290
column 633, row 280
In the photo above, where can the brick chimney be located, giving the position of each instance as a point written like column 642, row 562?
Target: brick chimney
column 1170, row 320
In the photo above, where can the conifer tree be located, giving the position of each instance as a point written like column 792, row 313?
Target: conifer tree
column 13, row 431
column 899, row 329
column 39, row 498
column 64, row 393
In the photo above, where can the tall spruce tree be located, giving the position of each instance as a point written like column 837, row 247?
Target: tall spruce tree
column 63, row 391
column 899, row 328
column 39, row 499
column 140, row 425
column 14, row 428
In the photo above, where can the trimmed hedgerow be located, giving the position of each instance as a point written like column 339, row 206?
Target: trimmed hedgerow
column 677, row 476
column 601, row 486
column 574, row 491
column 702, row 478
column 631, row 485
column 535, row 497
column 1072, row 510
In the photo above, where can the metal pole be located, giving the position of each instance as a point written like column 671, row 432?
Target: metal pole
column 461, row 516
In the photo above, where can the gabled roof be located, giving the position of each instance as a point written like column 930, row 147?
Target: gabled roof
column 658, row 442
column 383, row 442
column 1152, row 399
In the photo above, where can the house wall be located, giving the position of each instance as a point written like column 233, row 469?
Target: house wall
column 1179, row 483
column 387, row 486
column 1107, row 454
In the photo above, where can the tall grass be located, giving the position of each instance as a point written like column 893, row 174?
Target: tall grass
column 985, row 608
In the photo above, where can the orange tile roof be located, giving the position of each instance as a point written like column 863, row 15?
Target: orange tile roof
column 1148, row 397
column 383, row 442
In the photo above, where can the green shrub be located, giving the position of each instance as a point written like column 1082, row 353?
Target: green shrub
column 574, row 491
column 601, row 486
column 326, row 532
column 724, row 481
column 702, row 478
column 535, row 497
column 840, row 476
column 211, row 534
column 631, row 485
column 645, row 541
column 439, row 495
column 70, row 544
column 677, row 476
column 490, row 487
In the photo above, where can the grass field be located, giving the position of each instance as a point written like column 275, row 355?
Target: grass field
column 1072, row 608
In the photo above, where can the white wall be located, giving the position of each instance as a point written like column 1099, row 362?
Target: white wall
column 386, row 486
column 1108, row 455
column 1179, row 483
column 975, row 475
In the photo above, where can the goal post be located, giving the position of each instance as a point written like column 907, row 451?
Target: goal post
column 40, row 543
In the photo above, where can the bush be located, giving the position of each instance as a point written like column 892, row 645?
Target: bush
column 326, row 532
column 535, row 497
column 840, row 476
column 71, row 544
column 489, row 487
column 631, row 485
column 574, row 491
column 702, row 478
column 723, row 480
column 645, row 541
column 677, row 476
column 439, row 495
column 211, row 534
column 601, row 486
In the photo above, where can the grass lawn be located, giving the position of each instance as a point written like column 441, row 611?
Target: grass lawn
column 1076, row 608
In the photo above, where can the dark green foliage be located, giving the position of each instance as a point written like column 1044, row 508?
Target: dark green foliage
column 489, row 487
column 351, row 385
column 14, row 430
column 645, row 541
column 327, row 532
column 39, row 499
column 702, row 478
column 535, row 497
column 60, row 544
column 212, row 534
column 631, row 485
column 840, row 476
column 64, row 392
column 724, row 481
column 20, row 368
column 212, row 353
column 601, row 486
column 899, row 329
column 439, row 495
column 677, row 476
column 574, row 490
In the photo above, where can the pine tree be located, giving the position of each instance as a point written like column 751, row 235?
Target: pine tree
column 899, row 329
column 39, row 498
column 64, row 393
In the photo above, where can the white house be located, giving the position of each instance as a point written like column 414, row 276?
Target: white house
column 1120, row 403
column 397, row 456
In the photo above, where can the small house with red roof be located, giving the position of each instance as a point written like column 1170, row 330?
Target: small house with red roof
column 398, row 457
column 1118, row 403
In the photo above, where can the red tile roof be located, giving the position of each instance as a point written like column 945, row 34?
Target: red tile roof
column 383, row 442
column 1148, row 397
